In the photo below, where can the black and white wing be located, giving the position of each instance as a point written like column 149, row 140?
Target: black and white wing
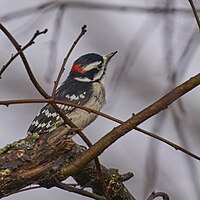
column 71, row 91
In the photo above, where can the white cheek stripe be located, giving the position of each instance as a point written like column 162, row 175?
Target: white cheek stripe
column 84, row 79
column 97, row 76
column 92, row 66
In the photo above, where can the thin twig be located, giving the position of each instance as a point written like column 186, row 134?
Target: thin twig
column 175, row 146
column 28, row 69
column 195, row 12
column 37, row 33
column 157, row 137
column 83, row 31
column 82, row 192
column 90, row 110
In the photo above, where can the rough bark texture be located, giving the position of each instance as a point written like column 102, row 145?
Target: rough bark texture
column 38, row 159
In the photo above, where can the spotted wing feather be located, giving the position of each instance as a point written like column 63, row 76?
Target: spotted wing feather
column 71, row 91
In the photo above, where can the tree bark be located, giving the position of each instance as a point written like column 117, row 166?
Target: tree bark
column 39, row 159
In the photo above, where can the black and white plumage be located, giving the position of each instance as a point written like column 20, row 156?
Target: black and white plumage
column 84, row 86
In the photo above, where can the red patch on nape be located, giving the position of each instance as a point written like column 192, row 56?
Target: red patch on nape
column 77, row 68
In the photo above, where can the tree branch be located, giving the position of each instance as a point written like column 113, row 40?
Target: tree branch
column 195, row 12
column 37, row 33
column 24, row 60
column 83, row 31
column 130, row 124
column 40, row 159
column 155, row 136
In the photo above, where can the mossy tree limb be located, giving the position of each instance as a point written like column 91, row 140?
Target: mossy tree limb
column 38, row 159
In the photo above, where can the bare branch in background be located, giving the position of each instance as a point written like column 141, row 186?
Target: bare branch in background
column 195, row 12
column 37, row 33
column 133, row 51
column 185, row 58
column 83, row 31
column 181, row 133
column 28, row 11
column 26, row 64
column 54, row 44
column 91, row 5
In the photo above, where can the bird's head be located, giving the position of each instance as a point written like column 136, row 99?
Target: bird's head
column 90, row 67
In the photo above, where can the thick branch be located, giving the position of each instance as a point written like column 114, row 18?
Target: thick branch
column 131, row 123
column 39, row 159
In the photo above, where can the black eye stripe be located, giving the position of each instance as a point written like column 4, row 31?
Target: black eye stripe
column 99, row 67
column 92, row 73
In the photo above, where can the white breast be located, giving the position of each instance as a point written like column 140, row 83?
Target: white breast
column 82, row 118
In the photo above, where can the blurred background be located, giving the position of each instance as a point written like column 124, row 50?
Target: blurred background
column 158, row 48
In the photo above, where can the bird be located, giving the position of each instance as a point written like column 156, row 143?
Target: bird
column 85, row 86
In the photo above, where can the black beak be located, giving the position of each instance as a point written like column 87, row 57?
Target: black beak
column 109, row 56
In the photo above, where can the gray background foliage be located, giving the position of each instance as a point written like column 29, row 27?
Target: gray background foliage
column 153, row 48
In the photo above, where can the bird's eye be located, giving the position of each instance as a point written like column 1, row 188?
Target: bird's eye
column 99, row 67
